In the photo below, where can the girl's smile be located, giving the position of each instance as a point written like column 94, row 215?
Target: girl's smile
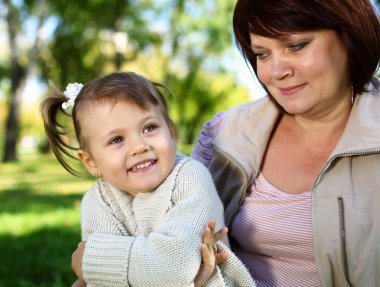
column 132, row 148
column 143, row 166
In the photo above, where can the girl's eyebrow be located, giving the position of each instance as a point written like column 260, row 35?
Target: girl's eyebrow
column 119, row 130
column 110, row 133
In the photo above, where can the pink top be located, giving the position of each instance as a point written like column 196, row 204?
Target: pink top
column 272, row 230
column 273, row 234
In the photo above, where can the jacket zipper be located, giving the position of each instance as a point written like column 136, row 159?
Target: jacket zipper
column 353, row 153
column 341, row 208
column 342, row 227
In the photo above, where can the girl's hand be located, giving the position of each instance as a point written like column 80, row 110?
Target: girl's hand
column 214, row 237
column 76, row 261
column 210, row 255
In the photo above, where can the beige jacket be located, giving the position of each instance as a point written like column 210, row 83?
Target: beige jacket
column 346, row 193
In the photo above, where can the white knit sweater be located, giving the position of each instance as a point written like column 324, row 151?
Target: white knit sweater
column 154, row 239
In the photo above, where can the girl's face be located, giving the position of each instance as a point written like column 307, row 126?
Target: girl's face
column 131, row 148
column 306, row 73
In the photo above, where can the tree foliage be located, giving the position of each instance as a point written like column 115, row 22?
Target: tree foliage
column 176, row 42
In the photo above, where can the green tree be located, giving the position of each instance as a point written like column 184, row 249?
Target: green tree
column 86, row 41
column 175, row 42
column 17, row 67
column 191, row 61
column 76, row 50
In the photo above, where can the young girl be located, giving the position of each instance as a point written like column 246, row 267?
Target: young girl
column 142, row 220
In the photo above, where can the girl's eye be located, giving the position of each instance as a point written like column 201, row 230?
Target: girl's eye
column 297, row 46
column 149, row 128
column 116, row 140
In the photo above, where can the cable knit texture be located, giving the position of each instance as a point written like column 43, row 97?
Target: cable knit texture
column 154, row 239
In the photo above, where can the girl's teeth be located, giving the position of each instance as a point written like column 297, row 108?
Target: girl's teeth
column 140, row 166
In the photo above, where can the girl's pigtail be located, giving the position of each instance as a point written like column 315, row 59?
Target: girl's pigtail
column 56, row 132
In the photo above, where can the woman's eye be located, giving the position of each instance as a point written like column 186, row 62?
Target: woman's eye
column 297, row 46
column 261, row 55
column 116, row 140
column 149, row 128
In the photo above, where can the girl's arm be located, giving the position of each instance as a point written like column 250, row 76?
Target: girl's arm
column 210, row 256
column 168, row 254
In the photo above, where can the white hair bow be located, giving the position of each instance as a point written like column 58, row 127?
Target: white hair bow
column 71, row 92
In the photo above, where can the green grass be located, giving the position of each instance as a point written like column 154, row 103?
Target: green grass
column 39, row 222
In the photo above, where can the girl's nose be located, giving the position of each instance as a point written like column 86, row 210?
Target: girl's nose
column 139, row 146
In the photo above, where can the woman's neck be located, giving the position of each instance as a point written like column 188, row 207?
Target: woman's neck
column 328, row 123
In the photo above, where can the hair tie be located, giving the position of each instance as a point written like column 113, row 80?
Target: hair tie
column 71, row 92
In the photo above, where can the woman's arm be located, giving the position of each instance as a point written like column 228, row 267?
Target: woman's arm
column 204, row 146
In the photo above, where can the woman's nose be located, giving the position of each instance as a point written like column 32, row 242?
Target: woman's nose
column 281, row 67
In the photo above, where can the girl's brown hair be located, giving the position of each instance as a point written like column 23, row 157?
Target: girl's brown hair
column 112, row 87
column 355, row 22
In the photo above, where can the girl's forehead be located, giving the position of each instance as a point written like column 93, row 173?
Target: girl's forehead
column 116, row 102
column 107, row 107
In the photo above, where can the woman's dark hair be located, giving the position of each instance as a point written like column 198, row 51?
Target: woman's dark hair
column 355, row 22
column 112, row 87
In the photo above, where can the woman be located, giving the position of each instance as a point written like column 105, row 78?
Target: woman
column 299, row 171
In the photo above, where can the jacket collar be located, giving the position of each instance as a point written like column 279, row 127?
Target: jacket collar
column 256, row 120
column 362, row 132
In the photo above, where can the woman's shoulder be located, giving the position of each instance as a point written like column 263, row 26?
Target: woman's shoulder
column 232, row 120
column 218, row 121
column 374, row 86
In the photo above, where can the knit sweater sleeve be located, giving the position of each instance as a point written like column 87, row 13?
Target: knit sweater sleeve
column 106, row 239
column 170, row 254
column 167, row 250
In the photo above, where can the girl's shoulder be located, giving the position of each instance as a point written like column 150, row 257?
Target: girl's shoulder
column 188, row 166
column 192, row 178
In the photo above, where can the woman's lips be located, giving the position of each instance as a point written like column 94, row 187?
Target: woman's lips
column 288, row 91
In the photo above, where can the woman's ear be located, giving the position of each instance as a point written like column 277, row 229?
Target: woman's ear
column 88, row 162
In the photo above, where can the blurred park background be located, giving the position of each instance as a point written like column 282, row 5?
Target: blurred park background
column 187, row 45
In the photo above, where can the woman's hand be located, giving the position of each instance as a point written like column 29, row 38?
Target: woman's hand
column 79, row 283
column 76, row 261
column 210, row 255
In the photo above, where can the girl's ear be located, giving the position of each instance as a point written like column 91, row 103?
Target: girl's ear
column 88, row 162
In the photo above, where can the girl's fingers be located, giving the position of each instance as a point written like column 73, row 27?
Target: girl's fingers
column 221, row 257
column 220, row 234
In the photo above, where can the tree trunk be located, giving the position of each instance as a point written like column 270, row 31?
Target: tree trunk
column 18, row 76
column 13, row 120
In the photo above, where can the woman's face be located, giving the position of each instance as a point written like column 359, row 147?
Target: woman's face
column 306, row 73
